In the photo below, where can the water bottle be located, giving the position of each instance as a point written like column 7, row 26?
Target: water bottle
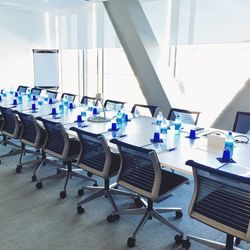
column 20, row 98
column 137, row 113
column 84, row 113
column 11, row 91
column 177, row 125
column 229, row 143
column 119, row 117
column 40, row 101
column 29, row 94
column 66, row 102
column 164, row 126
column 123, row 115
column 4, row 93
column 61, row 107
column 159, row 119
column 46, row 96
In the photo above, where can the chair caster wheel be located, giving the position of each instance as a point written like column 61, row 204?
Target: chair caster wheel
column 178, row 214
column 178, row 239
column 89, row 174
column 34, row 178
column 95, row 184
column 237, row 241
column 138, row 202
column 80, row 192
column 186, row 244
column 80, row 210
column 131, row 242
column 112, row 218
column 63, row 194
column 18, row 169
column 39, row 185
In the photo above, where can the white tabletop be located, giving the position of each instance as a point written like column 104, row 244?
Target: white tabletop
column 172, row 153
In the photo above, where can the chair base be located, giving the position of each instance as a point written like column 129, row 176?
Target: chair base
column 68, row 171
column 107, row 191
column 23, row 151
column 17, row 148
column 148, row 213
column 214, row 244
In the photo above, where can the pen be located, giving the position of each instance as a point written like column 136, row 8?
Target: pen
column 121, row 136
column 171, row 149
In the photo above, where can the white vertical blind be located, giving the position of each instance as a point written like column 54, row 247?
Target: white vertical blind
column 84, row 28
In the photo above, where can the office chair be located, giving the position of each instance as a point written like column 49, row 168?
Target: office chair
column 220, row 200
column 71, row 97
column 10, row 129
column 187, row 116
column 59, row 145
column 113, row 105
column 36, row 91
column 52, row 94
column 141, row 173
column 96, row 158
column 31, row 135
column 148, row 110
column 242, row 123
column 86, row 100
column 22, row 88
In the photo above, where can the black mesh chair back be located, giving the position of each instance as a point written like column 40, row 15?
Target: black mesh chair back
column 147, row 110
column 31, row 132
column 95, row 154
column 187, row 116
column 71, row 97
column 113, row 105
column 11, row 125
column 242, row 123
column 52, row 94
column 140, row 169
column 86, row 100
column 57, row 140
column 221, row 200
column 36, row 91
column 22, row 89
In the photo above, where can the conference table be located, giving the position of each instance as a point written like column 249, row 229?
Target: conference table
column 172, row 153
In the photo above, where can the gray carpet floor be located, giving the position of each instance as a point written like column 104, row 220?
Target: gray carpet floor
column 39, row 219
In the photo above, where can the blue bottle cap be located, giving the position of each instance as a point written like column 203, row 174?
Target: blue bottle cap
column 79, row 118
column 15, row 102
column 71, row 105
column 53, row 111
column 33, row 107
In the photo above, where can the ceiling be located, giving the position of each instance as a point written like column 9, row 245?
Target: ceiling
column 47, row 5
column 43, row 5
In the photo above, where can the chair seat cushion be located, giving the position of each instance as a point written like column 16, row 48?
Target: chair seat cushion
column 170, row 181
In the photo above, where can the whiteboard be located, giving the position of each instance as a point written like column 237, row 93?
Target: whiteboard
column 46, row 68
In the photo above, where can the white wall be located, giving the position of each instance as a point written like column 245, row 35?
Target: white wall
column 20, row 32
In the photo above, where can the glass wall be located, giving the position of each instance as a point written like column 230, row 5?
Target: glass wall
column 211, row 75
column 119, row 80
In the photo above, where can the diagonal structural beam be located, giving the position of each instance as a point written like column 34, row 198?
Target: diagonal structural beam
column 142, row 50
